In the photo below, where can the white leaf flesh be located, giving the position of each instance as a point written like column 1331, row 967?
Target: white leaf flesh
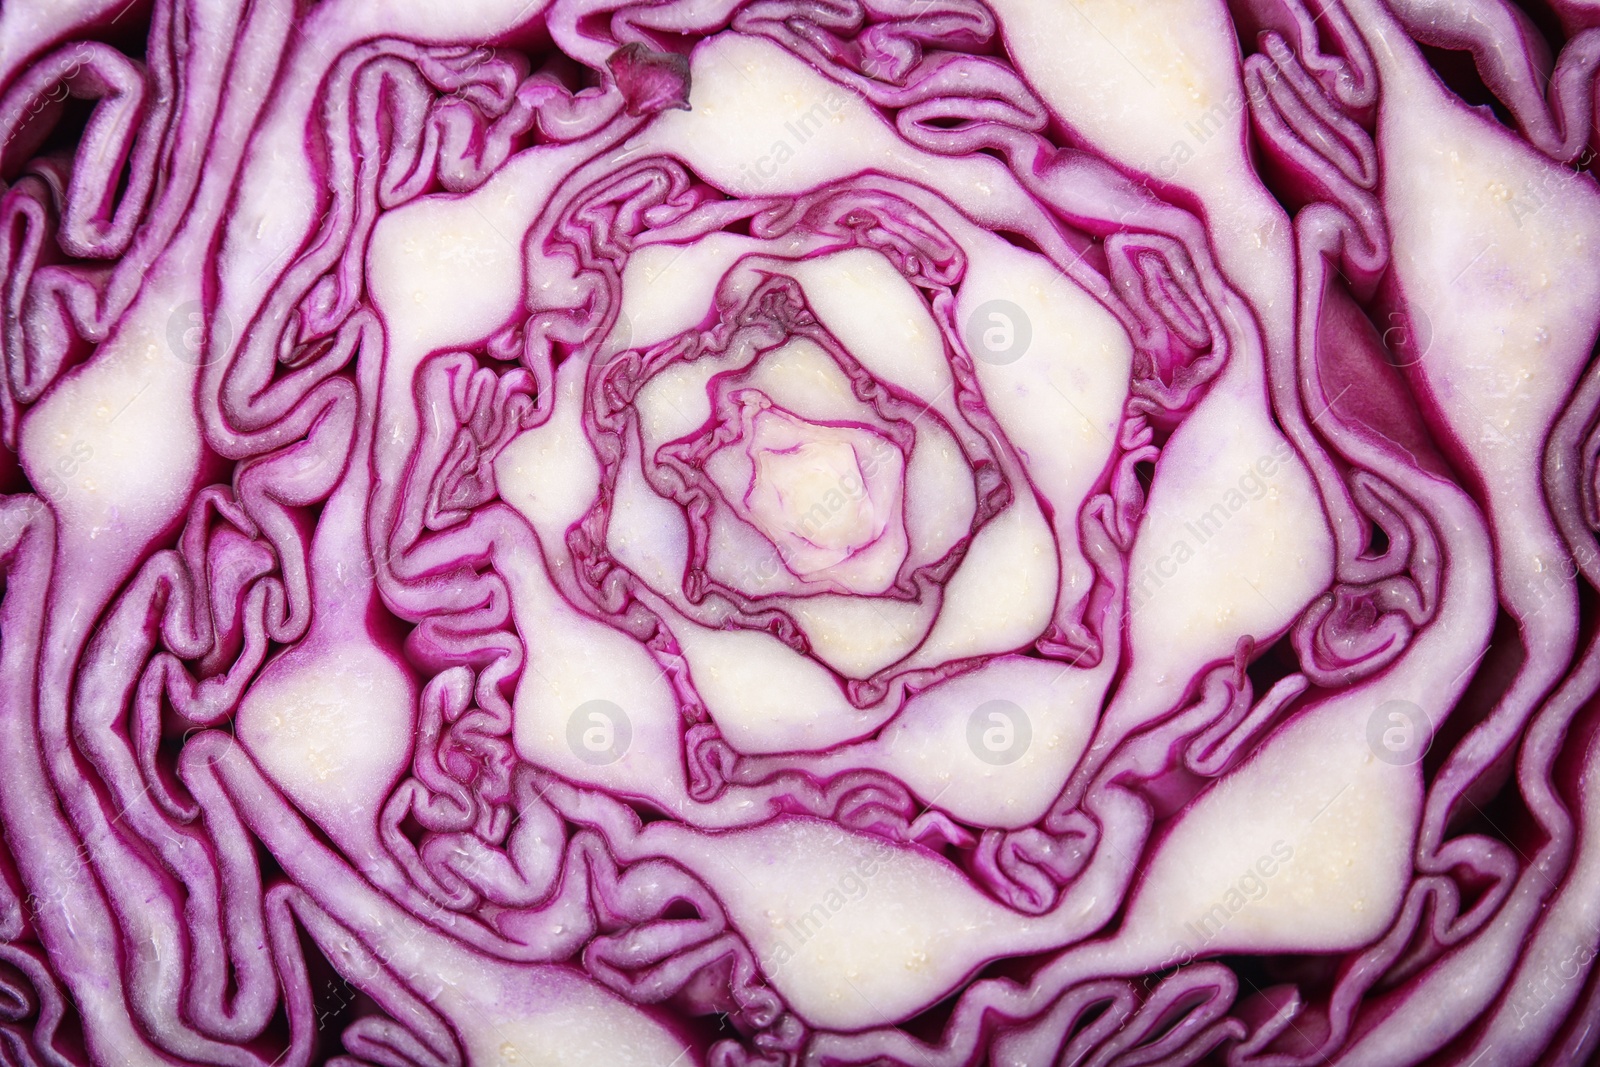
column 736, row 81
column 439, row 269
column 30, row 24
column 331, row 721
column 1233, row 542
column 929, row 744
column 582, row 661
column 1002, row 596
column 1061, row 401
column 858, row 930
column 828, row 497
column 115, row 447
column 276, row 207
column 1073, row 377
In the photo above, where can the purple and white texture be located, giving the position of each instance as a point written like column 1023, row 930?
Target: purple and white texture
column 761, row 533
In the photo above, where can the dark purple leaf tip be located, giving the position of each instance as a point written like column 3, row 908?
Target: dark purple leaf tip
column 650, row 81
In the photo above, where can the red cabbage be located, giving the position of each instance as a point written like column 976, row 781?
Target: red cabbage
column 780, row 532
